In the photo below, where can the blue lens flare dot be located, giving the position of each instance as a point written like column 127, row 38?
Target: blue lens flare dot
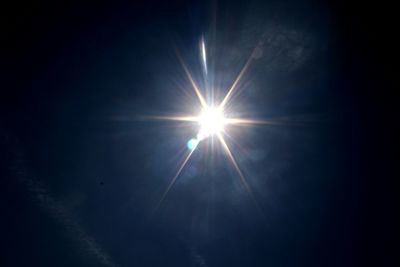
column 192, row 144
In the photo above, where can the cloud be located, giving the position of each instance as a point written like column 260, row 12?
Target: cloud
column 54, row 208
column 198, row 260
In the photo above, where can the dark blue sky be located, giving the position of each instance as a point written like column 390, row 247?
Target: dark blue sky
column 82, row 175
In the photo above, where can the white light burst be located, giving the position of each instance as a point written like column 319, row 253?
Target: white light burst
column 212, row 121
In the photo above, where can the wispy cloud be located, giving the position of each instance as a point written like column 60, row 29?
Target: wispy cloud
column 54, row 208
column 197, row 258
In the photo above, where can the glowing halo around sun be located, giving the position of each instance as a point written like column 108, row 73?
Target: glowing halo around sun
column 212, row 121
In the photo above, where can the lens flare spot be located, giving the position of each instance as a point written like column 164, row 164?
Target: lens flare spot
column 192, row 144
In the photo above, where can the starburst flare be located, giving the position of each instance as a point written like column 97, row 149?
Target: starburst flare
column 212, row 121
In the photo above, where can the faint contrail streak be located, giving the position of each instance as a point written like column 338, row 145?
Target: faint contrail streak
column 55, row 209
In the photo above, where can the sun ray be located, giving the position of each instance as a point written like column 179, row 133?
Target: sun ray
column 171, row 118
column 235, row 83
column 242, row 178
column 189, row 76
column 173, row 180
column 230, row 156
column 239, row 121
column 277, row 121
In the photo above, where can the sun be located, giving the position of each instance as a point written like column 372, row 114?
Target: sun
column 212, row 122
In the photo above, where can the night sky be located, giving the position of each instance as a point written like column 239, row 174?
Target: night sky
column 82, row 170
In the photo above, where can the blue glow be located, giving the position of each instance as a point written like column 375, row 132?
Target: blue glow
column 192, row 144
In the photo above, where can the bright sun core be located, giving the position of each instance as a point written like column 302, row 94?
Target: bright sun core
column 211, row 121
